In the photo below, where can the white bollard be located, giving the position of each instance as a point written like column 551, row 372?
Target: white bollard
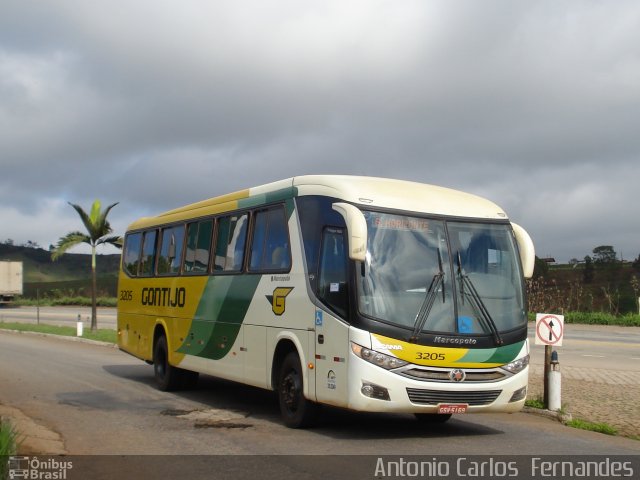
column 555, row 387
column 555, row 384
column 79, row 327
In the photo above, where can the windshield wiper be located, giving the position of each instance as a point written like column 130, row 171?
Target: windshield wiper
column 476, row 301
column 423, row 313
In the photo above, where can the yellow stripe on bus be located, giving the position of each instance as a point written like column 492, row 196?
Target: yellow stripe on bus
column 431, row 356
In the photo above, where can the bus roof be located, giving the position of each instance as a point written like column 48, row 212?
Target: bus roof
column 365, row 191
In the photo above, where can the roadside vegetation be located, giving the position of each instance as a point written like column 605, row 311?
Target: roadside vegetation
column 534, row 403
column 600, row 289
column 577, row 422
column 102, row 335
column 592, row 427
column 8, row 445
column 595, row 318
column 66, row 300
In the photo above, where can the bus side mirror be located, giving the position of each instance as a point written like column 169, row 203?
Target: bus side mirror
column 526, row 248
column 356, row 228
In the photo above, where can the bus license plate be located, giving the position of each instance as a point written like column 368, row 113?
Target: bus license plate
column 452, row 408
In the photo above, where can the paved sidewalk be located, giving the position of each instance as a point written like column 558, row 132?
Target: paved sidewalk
column 597, row 395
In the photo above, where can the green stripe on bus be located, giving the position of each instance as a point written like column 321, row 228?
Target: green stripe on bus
column 506, row 354
column 220, row 314
column 492, row 355
column 266, row 198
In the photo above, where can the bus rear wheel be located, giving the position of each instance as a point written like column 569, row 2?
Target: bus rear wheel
column 296, row 411
column 170, row 378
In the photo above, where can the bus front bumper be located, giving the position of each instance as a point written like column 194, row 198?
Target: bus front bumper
column 374, row 389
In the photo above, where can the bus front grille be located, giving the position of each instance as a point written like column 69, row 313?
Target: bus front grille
column 434, row 397
column 442, row 374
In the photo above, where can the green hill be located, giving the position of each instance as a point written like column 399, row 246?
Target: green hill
column 70, row 275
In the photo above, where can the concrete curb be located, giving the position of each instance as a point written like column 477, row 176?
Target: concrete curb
column 561, row 417
column 33, row 437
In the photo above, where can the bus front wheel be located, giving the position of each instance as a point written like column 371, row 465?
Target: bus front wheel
column 297, row 411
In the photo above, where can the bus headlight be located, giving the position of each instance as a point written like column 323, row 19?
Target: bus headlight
column 517, row 365
column 380, row 359
column 372, row 390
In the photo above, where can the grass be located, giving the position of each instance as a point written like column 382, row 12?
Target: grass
column 578, row 423
column 601, row 318
column 67, row 300
column 102, row 335
column 8, row 445
column 534, row 403
column 592, row 427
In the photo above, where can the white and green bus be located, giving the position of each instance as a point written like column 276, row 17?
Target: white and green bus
column 365, row 293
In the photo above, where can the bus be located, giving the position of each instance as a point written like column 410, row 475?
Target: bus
column 365, row 293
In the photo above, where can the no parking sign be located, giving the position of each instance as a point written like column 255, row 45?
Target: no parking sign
column 549, row 329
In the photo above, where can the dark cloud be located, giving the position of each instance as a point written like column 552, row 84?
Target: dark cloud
column 531, row 104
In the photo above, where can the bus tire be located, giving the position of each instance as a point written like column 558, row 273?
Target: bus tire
column 296, row 411
column 432, row 417
column 167, row 377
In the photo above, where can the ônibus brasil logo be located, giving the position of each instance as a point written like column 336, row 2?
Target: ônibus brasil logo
column 38, row 468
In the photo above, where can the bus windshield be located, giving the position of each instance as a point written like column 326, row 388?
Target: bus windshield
column 441, row 276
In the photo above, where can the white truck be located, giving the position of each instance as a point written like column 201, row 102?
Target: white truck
column 10, row 280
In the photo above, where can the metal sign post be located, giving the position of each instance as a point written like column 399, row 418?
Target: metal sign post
column 549, row 332
column 547, row 369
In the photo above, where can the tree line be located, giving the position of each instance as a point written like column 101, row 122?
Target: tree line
column 600, row 283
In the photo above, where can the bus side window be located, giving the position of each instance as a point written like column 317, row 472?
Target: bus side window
column 148, row 254
column 232, row 234
column 170, row 257
column 131, row 255
column 270, row 243
column 196, row 259
column 332, row 286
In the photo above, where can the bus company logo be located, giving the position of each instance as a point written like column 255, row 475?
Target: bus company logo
column 164, row 297
column 457, row 375
column 277, row 300
column 38, row 468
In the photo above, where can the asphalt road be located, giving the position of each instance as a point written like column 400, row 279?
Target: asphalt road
column 102, row 401
column 594, row 346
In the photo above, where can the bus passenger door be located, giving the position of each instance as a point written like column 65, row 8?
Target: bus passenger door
column 332, row 334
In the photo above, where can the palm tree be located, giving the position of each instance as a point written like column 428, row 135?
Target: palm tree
column 98, row 229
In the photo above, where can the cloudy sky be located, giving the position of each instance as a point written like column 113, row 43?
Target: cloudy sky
column 154, row 104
